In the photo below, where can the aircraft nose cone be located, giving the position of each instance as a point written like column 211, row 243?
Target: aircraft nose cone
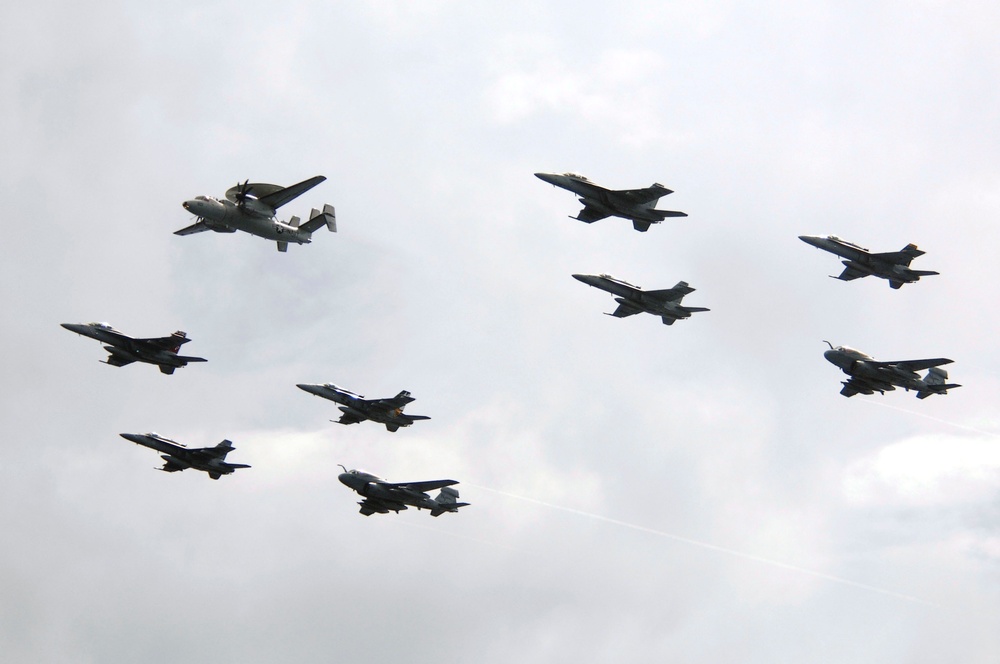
column 131, row 437
column 345, row 479
column 546, row 177
column 307, row 387
column 810, row 239
column 837, row 358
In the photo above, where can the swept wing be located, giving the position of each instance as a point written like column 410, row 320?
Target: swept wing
column 850, row 273
column 422, row 487
column 199, row 227
column 912, row 365
column 629, row 197
column 589, row 214
column 278, row 198
column 625, row 309
column 674, row 294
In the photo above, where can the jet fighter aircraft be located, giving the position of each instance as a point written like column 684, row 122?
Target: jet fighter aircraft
column 356, row 408
column 891, row 265
column 179, row 457
column 868, row 376
column 124, row 349
column 384, row 497
column 252, row 206
column 636, row 205
column 633, row 300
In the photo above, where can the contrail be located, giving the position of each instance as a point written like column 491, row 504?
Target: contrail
column 716, row 548
column 931, row 417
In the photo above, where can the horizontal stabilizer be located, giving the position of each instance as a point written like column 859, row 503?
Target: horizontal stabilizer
column 453, row 507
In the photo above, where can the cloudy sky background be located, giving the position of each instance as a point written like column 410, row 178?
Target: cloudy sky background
column 697, row 493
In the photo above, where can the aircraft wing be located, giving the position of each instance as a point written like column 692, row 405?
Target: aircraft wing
column 163, row 343
column 172, row 466
column 639, row 196
column 674, row 294
column 370, row 506
column 589, row 215
column 854, row 386
column 116, row 360
column 350, row 418
column 625, row 309
column 851, row 273
column 903, row 257
column 199, row 227
column 390, row 403
column 914, row 365
column 282, row 196
column 423, row 487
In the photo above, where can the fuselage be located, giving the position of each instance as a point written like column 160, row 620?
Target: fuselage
column 893, row 266
column 207, row 459
column 122, row 345
column 627, row 293
column 253, row 217
column 856, row 364
column 357, row 406
column 370, row 486
column 836, row 245
column 604, row 199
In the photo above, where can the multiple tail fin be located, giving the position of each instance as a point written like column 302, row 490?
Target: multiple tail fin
column 317, row 219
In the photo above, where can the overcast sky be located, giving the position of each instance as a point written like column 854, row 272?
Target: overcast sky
column 695, row 493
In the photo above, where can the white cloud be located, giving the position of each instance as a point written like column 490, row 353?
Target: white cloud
column 935, row 470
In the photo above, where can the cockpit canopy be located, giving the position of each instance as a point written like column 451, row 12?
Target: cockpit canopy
column 843, row 241
column 103, row 326
column 365, row 476
column 577, row 176
column 617, row 280
column 853, row 352
column 337, row 388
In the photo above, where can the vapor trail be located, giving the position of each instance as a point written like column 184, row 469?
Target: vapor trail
column 931, row 417
column 716, row 548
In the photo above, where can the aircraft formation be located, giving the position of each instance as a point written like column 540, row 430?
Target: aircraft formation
column 252, row 208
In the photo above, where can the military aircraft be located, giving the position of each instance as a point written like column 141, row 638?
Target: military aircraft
column 126, row 350
column 868, row 376
column 356, row 408
column 384, row 497
column 892, row 265
column 252, row 206
column 636, row 205
column 633, row 300
column 179, row 457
